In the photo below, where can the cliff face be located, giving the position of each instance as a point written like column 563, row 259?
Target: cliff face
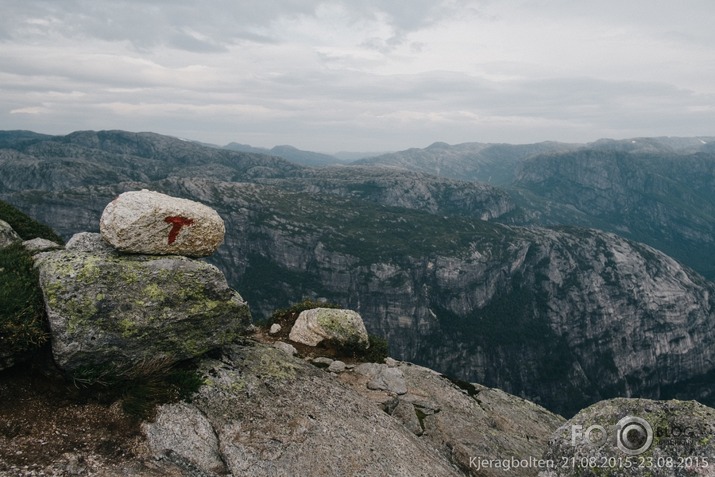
column 667, row 201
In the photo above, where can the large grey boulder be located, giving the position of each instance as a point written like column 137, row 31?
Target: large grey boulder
column 8, row 236
column 153, row 223
column 343, row 327
column 635, row 437
column 106, row 309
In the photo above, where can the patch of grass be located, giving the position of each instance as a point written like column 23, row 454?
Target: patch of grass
column 375, row 353
column 22, row 315
column 141, row 387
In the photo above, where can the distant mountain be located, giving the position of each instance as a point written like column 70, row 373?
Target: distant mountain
column 498, row 163
column 351, row 156
column 289, row 153
column 13, row 139
column 661, row 198
column 492, row 163
column 659, row 191
column 564, row 315
column 658, row 145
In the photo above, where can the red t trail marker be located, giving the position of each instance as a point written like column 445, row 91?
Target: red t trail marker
column 177, row 222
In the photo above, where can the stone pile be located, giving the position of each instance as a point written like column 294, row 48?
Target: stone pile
column 111, row 310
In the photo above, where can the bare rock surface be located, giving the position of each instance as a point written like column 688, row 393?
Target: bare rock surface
column 108, row 309
column 275, row 415
column 343, row 327
column 149, row 222
column 464, row 422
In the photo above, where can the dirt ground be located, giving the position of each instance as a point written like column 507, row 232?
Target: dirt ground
column 47, row 427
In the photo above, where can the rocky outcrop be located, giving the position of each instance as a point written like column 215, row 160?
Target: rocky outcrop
column 264, row 413
column 634, row 437
column 340, row 327
column 153, row 223
column 273, row 415
column 464, row 422
column 108, row 310
column 7, row 235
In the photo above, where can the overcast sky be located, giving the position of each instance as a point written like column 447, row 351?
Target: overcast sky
column 360, row 75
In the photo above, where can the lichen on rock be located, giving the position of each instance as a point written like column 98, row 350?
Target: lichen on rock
column 342, row 327
column 105, row 308
column 635, row 437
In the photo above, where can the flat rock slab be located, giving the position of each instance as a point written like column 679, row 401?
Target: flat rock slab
column 110, row 309
column 152, row 223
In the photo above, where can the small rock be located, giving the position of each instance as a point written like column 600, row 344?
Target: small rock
column 8, row 236
column 344, row 327
column 275, row 329
column 157, row 224
column 383, row 378
column 322, row 362
column 392, row 363
column 89, row 242
column 40, row 245
column 336, row 367
column 407, row 415
column 285, row 347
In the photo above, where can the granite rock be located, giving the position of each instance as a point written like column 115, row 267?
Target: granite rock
column 153, row 223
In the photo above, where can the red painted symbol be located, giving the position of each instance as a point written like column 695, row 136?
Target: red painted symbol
column 177, row 222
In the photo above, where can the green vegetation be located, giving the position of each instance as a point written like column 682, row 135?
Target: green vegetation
column 375, row 353
column 26, row 227
column 140, row 387
column 22, row 320
column 288, row 315
column 22, row 323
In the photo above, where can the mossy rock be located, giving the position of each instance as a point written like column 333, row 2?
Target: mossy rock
column 106, row 308
column 338, row 326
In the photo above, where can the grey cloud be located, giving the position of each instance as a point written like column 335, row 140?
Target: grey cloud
column 148, row 24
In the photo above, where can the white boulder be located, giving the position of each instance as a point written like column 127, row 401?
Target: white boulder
column 152, row 223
